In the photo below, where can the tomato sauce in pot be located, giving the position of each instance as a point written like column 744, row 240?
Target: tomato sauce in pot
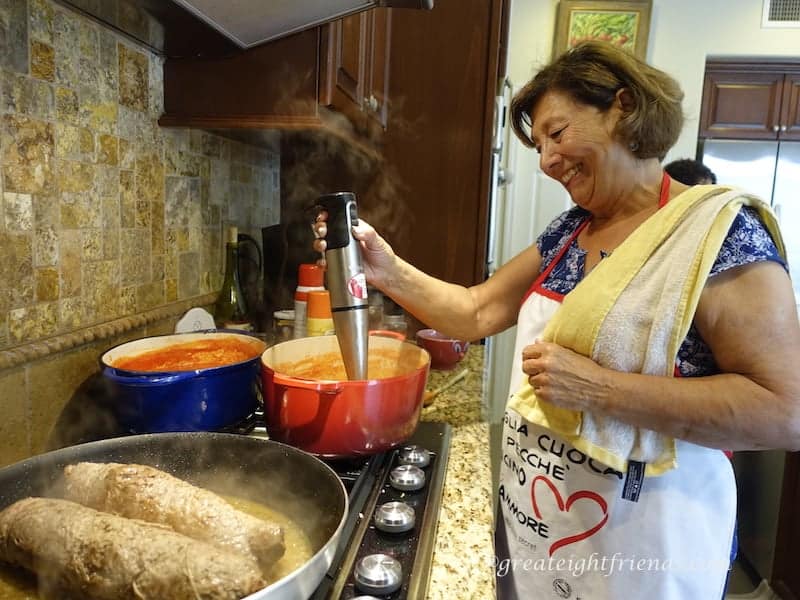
column 381, row 364
column 190, row 356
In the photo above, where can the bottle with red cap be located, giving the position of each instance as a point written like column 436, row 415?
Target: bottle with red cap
column 309, row 279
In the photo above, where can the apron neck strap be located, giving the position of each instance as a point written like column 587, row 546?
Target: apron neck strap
column 664, row 197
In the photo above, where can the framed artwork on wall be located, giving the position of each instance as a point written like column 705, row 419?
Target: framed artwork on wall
column 625, row 23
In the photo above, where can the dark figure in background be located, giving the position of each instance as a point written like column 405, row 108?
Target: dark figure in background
column 690, row 172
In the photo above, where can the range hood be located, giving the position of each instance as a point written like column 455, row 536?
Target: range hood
column 194, row 28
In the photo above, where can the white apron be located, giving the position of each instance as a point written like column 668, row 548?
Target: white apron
column 565, row 530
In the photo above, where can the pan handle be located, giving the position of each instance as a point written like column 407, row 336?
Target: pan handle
column 148, row 380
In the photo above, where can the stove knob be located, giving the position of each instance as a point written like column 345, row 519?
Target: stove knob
column 407, row 478
column 414, row 455
column 395, row 517
column 378, row 574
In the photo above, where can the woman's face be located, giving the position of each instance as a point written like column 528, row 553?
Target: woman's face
column 577, row 147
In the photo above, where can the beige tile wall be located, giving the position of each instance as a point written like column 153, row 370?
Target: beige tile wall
column 103, row 214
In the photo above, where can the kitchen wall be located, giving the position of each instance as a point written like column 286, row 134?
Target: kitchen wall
column 110, row 226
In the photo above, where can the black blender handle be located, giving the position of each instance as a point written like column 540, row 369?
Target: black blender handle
column 342, row 215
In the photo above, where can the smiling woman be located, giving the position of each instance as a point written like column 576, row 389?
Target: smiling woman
column 634, row 325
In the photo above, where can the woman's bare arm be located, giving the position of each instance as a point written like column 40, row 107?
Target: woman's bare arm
column 467, row 313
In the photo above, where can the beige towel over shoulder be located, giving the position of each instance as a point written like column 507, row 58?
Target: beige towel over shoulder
column 633, row 311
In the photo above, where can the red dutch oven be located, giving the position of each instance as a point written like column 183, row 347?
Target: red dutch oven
column 334, row 417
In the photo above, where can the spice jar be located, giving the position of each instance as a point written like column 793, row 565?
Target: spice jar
column 309, row 279
column 319, row 319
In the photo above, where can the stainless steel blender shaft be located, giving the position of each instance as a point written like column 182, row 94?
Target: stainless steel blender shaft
column 346, row 282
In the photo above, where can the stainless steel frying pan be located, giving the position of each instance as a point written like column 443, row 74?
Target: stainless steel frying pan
column 278, row 476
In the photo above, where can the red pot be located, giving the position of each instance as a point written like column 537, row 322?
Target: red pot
column 309, row 406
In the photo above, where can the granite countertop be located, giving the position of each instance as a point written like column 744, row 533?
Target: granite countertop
column 464, row 551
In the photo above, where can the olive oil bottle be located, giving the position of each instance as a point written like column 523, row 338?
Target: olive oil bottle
column 230, row 311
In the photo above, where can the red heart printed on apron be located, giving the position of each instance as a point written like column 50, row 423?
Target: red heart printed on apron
column 565, row 507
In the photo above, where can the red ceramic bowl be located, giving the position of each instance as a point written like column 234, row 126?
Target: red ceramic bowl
column 446, row 352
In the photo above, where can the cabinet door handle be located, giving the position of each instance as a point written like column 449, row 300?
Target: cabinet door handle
column 372, row 103
column 783, row 127
column 775, row 128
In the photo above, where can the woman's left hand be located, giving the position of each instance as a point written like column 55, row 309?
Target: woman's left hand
column 562, row 377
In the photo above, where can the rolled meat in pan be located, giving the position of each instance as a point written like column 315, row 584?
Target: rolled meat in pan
column 147, row 493
column 82, row 553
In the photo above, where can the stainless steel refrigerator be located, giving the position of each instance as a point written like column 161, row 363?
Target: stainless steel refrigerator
column 770, row 169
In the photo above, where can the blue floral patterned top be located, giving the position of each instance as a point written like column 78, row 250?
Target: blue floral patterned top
column 747, row 241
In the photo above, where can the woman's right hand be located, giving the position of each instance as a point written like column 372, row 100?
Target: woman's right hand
column 377, row 255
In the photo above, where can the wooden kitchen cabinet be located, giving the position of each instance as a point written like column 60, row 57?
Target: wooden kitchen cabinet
column 427, row 192
column 745, row 99
column 284, row 84
column 270, row 86
column 445, row 71
column 355, row 72
column 434, row 76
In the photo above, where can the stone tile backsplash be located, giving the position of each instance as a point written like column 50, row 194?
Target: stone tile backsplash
column 104, row 216
column 104, row 213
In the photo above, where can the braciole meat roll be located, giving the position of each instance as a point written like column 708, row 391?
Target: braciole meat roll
column 78, row 552
column 146, row 493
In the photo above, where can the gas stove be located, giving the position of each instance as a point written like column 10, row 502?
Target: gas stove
column 386, row 546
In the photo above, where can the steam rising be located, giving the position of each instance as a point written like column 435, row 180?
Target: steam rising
column 337, row 158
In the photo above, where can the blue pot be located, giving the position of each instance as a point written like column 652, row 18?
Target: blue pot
column 200, row 400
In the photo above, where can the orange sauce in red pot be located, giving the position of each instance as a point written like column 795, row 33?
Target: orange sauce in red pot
column 190, row 356
column 381, row 364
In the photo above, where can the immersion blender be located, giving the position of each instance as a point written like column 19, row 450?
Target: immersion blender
column 346, row 282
